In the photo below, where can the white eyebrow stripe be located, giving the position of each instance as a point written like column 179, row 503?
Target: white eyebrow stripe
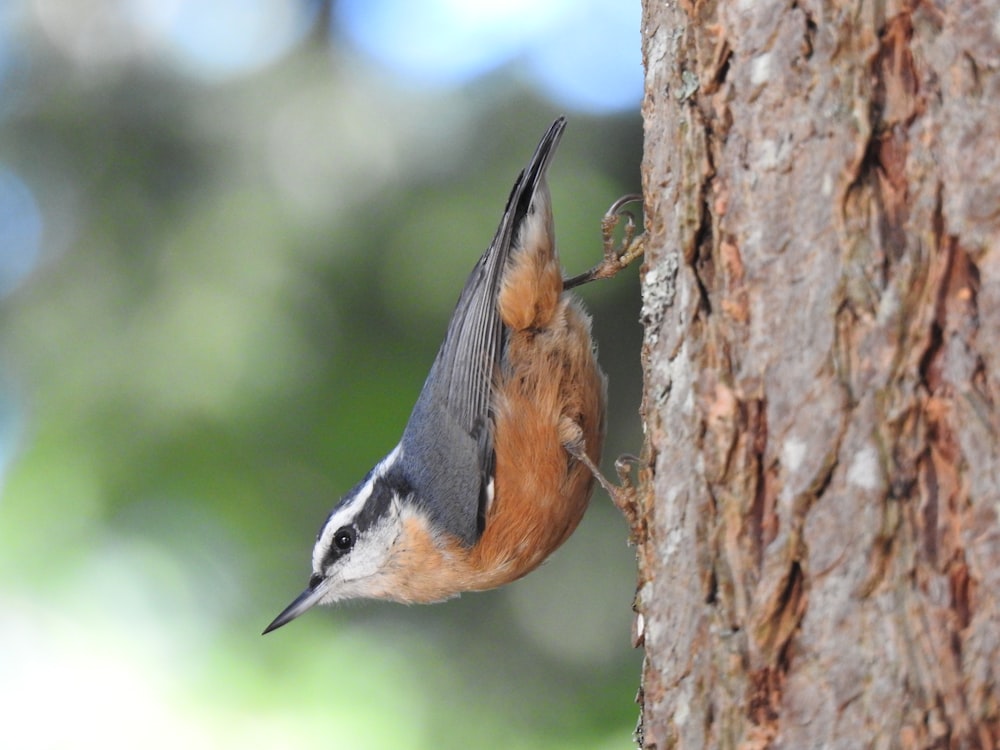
column 347, row 514
column 386, row 462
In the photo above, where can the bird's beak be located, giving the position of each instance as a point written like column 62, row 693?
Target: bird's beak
column 306, row 600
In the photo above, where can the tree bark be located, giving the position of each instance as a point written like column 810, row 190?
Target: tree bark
column 820, row 540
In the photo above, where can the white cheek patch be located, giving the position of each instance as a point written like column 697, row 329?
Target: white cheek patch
column 357, row 574
column 369, row 556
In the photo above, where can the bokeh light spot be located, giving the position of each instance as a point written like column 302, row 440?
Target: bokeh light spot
column 592, row 60
column 445, row 41
column 583, row 54
column 220, row 39
column 20, row 231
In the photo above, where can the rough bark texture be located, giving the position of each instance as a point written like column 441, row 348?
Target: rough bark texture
column 820, row 553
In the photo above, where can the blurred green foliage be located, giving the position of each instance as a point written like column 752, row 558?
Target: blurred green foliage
column 242, row 288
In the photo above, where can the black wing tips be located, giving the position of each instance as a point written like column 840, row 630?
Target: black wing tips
column 527, row 181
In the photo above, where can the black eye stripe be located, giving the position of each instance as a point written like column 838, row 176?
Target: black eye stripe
column 375, row 507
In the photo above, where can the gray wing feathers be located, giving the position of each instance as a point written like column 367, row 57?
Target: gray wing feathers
column 453, row 410
column 472, row 346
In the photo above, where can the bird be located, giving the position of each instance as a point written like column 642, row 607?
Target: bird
column 498, row 459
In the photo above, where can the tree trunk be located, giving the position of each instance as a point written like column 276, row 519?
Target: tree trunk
column 820, row 545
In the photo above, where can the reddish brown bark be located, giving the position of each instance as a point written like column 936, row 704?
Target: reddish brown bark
column 820, row 562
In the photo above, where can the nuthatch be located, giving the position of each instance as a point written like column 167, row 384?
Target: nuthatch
column 497, row 461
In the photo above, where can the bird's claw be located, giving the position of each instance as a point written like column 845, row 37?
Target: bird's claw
column 616, row 256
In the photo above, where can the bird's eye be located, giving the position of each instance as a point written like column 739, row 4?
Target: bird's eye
column 344, row 538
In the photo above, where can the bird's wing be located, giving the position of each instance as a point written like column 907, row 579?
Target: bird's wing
column 449, row 435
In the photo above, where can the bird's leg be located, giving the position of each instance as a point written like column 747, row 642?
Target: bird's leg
column 616, row 257
column 623, row 495
column 626, row 495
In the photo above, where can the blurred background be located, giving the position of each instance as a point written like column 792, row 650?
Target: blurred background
column 231, row 235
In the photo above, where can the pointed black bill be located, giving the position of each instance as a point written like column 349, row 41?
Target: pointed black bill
column 304, row 601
